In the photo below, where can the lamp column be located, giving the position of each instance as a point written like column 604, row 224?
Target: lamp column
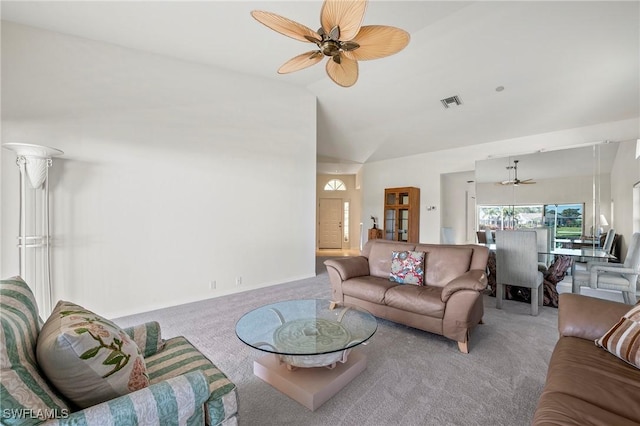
column 34, row 240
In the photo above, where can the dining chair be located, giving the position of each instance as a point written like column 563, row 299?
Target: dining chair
column 517, row 265
column 482, row 237
column 489, row 236
column 613, row 276
column 543, row 240
column 608, row 240
column 606, row 247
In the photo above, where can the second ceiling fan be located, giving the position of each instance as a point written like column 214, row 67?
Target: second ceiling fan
column 515, row 181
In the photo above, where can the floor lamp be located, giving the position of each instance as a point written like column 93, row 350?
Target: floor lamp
column 34, row 242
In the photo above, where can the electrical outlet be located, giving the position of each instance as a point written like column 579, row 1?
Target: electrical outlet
column 238, row 280
column 212, row 285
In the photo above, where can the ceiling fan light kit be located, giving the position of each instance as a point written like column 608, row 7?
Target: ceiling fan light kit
column 341, row 38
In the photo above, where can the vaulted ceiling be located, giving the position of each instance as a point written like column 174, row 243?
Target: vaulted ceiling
column 560, row 65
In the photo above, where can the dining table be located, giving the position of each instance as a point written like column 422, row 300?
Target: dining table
column 576, row 254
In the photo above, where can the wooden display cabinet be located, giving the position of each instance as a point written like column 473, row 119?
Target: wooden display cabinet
column 402, row 214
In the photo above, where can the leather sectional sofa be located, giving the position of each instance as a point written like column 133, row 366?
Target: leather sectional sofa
column 449, row 302
column 586, row 385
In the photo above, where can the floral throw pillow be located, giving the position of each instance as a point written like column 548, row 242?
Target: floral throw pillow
column 407, row 267
column 89, row 359
column 623, row 339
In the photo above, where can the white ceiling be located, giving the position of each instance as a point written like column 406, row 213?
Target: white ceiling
column 563, row 65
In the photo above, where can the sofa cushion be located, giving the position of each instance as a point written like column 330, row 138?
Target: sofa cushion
column 623, row 339
column 561, row 409
column 424, row 300
column 444, row 263
column 371, row 289
column 178, row 357
column 407, row 267
column 88, row 358
column 380, row 257
column 586, row 385
column 23, row 388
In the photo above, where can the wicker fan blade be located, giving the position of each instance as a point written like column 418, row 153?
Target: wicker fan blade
column 345, row 14
column 378, row 41
column 526, row 182
column 285, row 26
column 301, row 61
column 345, row 73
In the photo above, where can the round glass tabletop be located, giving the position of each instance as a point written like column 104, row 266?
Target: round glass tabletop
column 305, row 327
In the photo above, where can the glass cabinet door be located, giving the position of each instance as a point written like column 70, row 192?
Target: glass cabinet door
column 403, row 225
column 389, row 224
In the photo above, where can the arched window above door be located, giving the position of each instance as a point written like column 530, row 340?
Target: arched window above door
column 335, row 185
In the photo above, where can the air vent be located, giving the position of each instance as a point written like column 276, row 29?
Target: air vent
column 452, row 101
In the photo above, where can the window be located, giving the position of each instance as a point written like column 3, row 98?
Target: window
column 335, row 185
column 565, row 220
column 510, row 217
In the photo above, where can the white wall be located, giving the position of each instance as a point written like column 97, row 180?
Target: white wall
column 422, row 171
column 174, row 174
column 458, row 196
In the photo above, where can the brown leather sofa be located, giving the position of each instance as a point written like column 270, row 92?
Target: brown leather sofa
column 586, row 385
column 449, row 303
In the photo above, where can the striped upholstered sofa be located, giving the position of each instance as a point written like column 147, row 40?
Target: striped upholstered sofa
column 184, row 387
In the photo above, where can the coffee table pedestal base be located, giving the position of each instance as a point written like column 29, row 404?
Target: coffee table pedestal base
column 311, row 387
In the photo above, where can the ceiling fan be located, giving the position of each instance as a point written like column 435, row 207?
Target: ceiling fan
column 341, row 37
column 515, row 181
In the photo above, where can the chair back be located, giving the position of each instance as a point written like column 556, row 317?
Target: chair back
column 447, row 236
column 543, row 240
column 517, row 258
column 632, row 259
column 482, row 237
column 608, row 241
column 489, row 236
column 630, row 271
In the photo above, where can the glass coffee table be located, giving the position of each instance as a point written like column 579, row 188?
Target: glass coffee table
column 310, row 346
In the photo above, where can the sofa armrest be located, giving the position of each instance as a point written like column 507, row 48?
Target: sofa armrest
column 147, row 336
column 179, row 400
column 475, row 279
column 587, row 317
column 349, row 267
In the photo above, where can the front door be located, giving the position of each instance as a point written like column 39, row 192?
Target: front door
column 330, row 227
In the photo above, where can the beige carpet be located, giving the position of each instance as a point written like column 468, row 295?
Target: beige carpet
column 413, row 377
